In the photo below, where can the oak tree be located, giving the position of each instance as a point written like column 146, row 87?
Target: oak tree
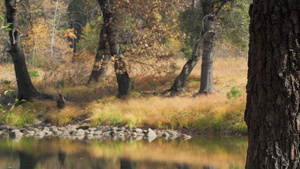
column 26, row 90
column 109, row 47
column 210, row 10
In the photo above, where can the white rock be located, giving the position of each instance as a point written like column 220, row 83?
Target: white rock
column 151, row 135
column 15, row 134
column 80, row 132
column 138, row 130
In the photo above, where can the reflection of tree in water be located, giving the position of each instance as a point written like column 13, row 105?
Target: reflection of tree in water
column 183, row 166
column 101, row 164
column 62, row 158
column 27, row 161
column 127, row 164
column 209, row 167
column 35, row 155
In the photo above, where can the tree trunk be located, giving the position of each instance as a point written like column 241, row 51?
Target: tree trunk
column 273, row 98
column 195, row 3
column 124, row 82
column 206, row 37
column 109, row 47
column 207, row 85
column 26, row 89
column 103, row 52
column 180, row 81
column 102, row 57
column 54, row 30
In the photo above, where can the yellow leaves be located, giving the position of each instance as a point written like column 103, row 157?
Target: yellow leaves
column 227, row 6
column 70, row 33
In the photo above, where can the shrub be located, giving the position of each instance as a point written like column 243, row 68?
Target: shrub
column 234, row 93
column 33, row 73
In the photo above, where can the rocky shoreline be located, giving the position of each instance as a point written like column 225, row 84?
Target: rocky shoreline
column 80, row 132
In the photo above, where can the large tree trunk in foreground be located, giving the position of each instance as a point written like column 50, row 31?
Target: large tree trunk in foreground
column 26, row 90
column 207, row 85
column 273, row 99
column 103, row 51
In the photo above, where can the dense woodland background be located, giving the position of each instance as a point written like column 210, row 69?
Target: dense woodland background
column 152, row 34
column 64, row 42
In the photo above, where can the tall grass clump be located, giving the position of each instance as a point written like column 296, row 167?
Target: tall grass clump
column 17, row 118
column 106, row 114
column 65, row 116
column 212, row 113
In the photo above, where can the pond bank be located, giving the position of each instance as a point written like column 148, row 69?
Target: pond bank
column 80, row 132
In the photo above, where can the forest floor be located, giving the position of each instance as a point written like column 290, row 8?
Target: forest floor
column 96, row 104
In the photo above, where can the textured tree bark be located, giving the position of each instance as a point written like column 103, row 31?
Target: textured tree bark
column 26, row 90
column 103, row 51
column 273, row 99
column 207, row 85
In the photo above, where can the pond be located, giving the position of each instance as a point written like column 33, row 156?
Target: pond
column 58, row 153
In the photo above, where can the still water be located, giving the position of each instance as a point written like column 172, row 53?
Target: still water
column 57, row 153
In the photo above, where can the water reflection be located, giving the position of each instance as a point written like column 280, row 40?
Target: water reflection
column 56, row 153
column 27, row 161
column 126, row 164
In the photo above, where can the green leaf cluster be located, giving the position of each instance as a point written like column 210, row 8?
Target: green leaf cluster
column 235, row 24
column 90, row 36
column 231, row 24
column 3, row 25
column 190, row 22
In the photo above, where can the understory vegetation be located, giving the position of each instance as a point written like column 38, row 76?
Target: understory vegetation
column 146, row 106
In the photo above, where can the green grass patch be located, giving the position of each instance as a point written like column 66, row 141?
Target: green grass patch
column 17, row 119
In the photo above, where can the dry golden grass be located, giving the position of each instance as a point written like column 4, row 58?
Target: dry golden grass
column 207, row 113
column 65, row 116
column 214, row 112
column 7, row 72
